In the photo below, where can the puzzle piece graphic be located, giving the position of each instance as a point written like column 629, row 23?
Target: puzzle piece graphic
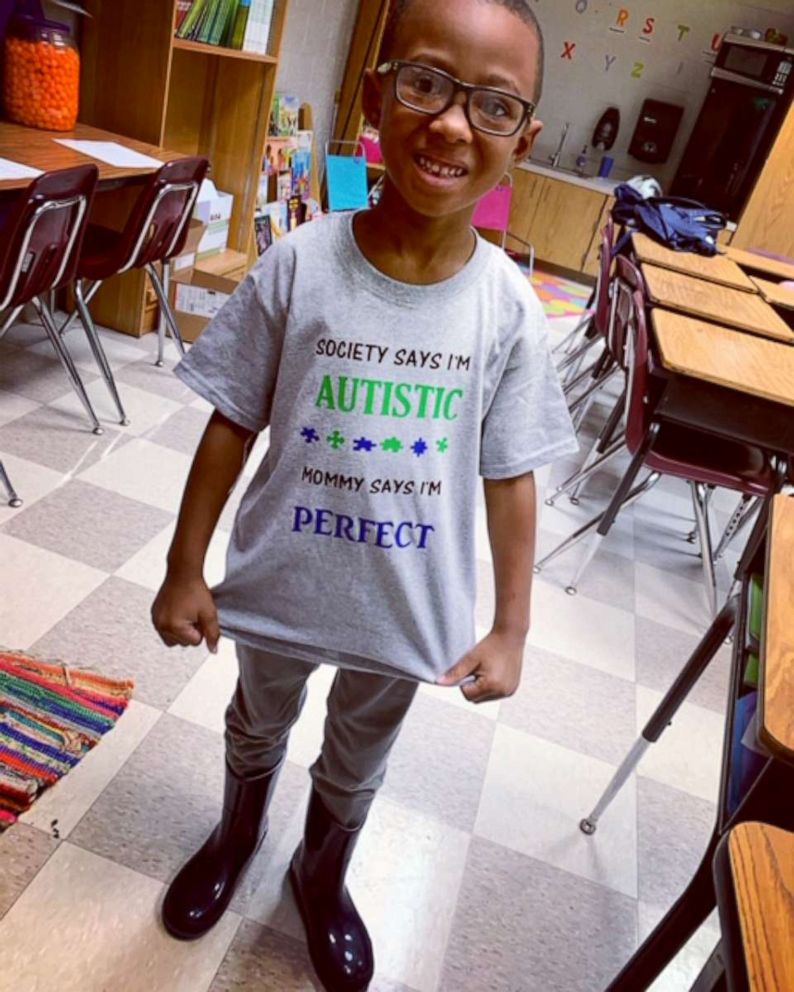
column 442, row 445
column 392, row 444
column 336, row 440
column 310, row 435
column 419, row 447
column 363, row 444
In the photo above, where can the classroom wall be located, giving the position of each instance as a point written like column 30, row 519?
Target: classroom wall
column 313, row 54
column 602, row 53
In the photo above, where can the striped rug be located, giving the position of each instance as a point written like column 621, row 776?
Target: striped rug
column 50, row 716
column 560, row 297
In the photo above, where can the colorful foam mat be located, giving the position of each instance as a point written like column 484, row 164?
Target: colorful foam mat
column 560, row 297
column 50, row 716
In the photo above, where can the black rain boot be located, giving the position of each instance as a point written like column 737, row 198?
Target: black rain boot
column 339, row 944
column 200, row 893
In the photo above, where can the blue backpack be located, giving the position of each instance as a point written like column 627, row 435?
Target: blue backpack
column 683, row 225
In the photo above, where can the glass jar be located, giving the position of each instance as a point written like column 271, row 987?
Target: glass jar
column 42, row 74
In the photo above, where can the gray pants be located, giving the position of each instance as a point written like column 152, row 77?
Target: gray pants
column 364, row 716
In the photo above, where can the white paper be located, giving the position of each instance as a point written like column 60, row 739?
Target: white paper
column 15, row 170
column 112, row 153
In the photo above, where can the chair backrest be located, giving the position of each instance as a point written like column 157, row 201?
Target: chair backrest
column 602, row 294
column 42, row 234
column 159, row 220
column 492, row 212
column 639, row 408
column 627, row 279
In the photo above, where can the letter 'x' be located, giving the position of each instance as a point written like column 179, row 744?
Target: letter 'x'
column 569, row 47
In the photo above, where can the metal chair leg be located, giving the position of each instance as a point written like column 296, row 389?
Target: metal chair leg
column 161, row 289
column 700, row 501
column 13, row 499
column 662, row 716
column 605, row 439
column 99, row 352
column 67, row 362
column 742, row 515
column 571, row 336
column 9, row 320
column 592, row 464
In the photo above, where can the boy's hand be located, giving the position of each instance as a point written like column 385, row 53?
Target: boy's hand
column 184, row 613
column 496, row 664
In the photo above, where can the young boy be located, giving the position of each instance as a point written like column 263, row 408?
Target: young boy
column 394, row 356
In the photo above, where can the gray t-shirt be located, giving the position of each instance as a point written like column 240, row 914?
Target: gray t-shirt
column 354, row 542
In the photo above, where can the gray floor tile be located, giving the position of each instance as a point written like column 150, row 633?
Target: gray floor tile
column 573, row 705
column 261, row 960
column 36, row 376
column 674, row 830
column 56, row 439
column 182, row 431
column 609, row 578
column 111, row 631
column 663, row 651
column 449, row 785
column 23, row 851
column 522, row 926
column 24, row 333
column 145, row 375
column 89, row 524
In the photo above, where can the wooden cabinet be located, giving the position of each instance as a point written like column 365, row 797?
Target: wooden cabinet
column 768, row 219
column 140, row 81
column 561, row 219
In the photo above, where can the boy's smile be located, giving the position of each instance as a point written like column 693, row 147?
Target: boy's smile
column 439, row 164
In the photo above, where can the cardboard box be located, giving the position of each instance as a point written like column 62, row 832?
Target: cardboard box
column 214, row 209
column 186, row 261
column 196, row 297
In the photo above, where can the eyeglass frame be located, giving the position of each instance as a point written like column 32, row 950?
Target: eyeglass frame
column 394, row 65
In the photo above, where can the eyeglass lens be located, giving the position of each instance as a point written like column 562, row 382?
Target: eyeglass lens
column 431, row 92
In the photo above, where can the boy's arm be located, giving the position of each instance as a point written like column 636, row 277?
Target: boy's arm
column 184, row 611
column 496, row 660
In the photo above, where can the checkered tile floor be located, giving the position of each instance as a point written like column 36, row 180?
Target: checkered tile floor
column 472, row 872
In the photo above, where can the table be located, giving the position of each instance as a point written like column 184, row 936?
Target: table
column 38, row 149
column 774, row 292
column 717, row 269
column 760, row 263
column 745, row 311
column 754, row 875
column 702, row 350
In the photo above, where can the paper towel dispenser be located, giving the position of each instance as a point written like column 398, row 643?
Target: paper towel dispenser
column 655, row 132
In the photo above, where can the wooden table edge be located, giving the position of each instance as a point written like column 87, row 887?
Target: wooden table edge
column 746, row 287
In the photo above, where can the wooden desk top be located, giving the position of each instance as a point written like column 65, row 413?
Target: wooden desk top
column 718, row 269
column 775, row 292
column 745, row 311
column 760, row 263
column 38, row 149
column 702, row 350
column 762, row 872
column 776, row 701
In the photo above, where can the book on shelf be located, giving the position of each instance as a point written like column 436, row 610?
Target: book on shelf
column 239, row 24
column 211, row 22
column 182, row 10
column 257, row 31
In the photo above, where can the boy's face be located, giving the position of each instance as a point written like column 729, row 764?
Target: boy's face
column 480, row 43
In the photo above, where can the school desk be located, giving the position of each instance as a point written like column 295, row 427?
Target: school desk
column 39, row 149
column 754, row 877
column 750, row 260
column 699, row 298
column 717, row 268
column 775, row 293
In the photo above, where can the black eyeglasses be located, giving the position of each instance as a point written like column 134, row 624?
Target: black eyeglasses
column 432, row 91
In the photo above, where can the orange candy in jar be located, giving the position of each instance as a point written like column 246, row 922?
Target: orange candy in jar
column 42, row 75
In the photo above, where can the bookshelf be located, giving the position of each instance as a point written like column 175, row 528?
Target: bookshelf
column 138, row 80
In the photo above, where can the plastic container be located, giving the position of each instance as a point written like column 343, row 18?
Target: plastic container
column 42, row 74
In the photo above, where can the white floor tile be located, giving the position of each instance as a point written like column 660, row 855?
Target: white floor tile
column 86, row 924
column 206, row 696
column 688, row 754
column 12, row 406
column 117, row 349
column 69, row 799
column 45, row 586
column 146, row 411
column 583, row 630
column 670, row 599
column 143, row 471
column 30, row 481
column 147, row 566
column 536, row 793
column 682, row 971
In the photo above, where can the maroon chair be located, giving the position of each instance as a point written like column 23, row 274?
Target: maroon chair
column 155, row 232
column 703, row 460
column 40, row 240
